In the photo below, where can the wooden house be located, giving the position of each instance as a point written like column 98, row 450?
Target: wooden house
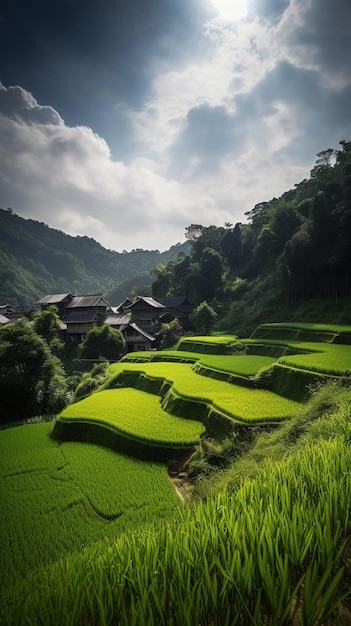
column 177, row 307
column 146, row 313
column 83, row 313
column 138, row 339
column 61, row 300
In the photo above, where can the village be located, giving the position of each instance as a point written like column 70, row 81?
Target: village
column 139, row 319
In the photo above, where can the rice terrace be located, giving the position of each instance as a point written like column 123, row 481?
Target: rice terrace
column 206, row 485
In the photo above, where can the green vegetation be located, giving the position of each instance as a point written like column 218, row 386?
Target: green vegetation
column 244, row 364
column 268, row 548
column 32, row 380
column 292, row 257
column 58, row 500
column 94, row 537
column 136, row 414
column 235, row 402
column 102, row 342
column 36, row 260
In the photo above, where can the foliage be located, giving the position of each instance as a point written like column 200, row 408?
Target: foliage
column 91, row 381
column 31, row 380
column 36, row 260
column 102, row 342
column 47, row 324
column 272, row 550
column 170, row 334
column 294, row 248
column 204, row 318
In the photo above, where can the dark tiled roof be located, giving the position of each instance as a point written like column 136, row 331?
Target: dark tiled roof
column 54, row 298
column 87, row 301
column 80, row 317
column 148, row 301
column 142, row 332
column 174, row 302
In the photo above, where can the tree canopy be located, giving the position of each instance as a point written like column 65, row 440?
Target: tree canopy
column 31, row 379
column 102, row 342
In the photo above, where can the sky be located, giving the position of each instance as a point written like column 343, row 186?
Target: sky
column 127, row 121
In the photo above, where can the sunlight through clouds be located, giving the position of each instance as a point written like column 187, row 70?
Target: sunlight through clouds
column 225, row 106
column 231, row 10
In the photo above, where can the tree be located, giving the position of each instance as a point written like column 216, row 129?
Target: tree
column 162, row 282
column 231, row 246
column 102, row 341
column 203, row 318
column 211, row 269
column 170, row 334
column 31, row 380
column 47, row 324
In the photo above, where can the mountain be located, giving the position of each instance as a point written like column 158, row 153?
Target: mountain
column 36, row 260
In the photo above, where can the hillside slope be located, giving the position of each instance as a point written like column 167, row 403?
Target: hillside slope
column 36, row 260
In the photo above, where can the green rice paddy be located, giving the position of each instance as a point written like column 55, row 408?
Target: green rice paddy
column 239, row 403
column 136, row 414
column 57, row 500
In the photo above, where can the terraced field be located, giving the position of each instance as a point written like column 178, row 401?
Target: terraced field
column 327, row 347
column 136, row 414
column 239, row 403
column 54, row 504
column 248, row 388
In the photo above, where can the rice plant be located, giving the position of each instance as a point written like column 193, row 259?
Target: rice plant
column 60, row 499
column 239, row 403
column 137, row 414
column 271, row 552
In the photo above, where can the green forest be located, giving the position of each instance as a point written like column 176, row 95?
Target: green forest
column 293, row 257
column 36, row 260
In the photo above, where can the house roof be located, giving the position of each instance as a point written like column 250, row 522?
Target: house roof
column 148, row 301
column 142, row 332
column 175, row 301
column 90, row 300
column 178, row 305
column 54, row 298
column 81, row 317
column 123, row 305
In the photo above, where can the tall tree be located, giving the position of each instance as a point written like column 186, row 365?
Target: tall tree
column 211, row 269
column 231, row 246
column 204, row 318
column 31, row 380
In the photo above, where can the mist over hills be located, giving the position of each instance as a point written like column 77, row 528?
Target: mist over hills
column 36, row 260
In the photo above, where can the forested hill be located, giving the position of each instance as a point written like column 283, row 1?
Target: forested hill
column 36, row 260
column 294, row 252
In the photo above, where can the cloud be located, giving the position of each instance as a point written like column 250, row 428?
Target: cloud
column 65, row 176
column 209, row 133
column 205, row 136
column 271, row 10
column 19, row 104
column 95, row 59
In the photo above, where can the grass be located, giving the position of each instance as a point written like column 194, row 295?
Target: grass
column 136, row 414
column 249, row 405
column 270, row 549
column 329, row 359
column 243, row 365
column 58, row 500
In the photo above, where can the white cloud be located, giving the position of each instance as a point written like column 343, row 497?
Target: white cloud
column 65, row 177
column 267, row 86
